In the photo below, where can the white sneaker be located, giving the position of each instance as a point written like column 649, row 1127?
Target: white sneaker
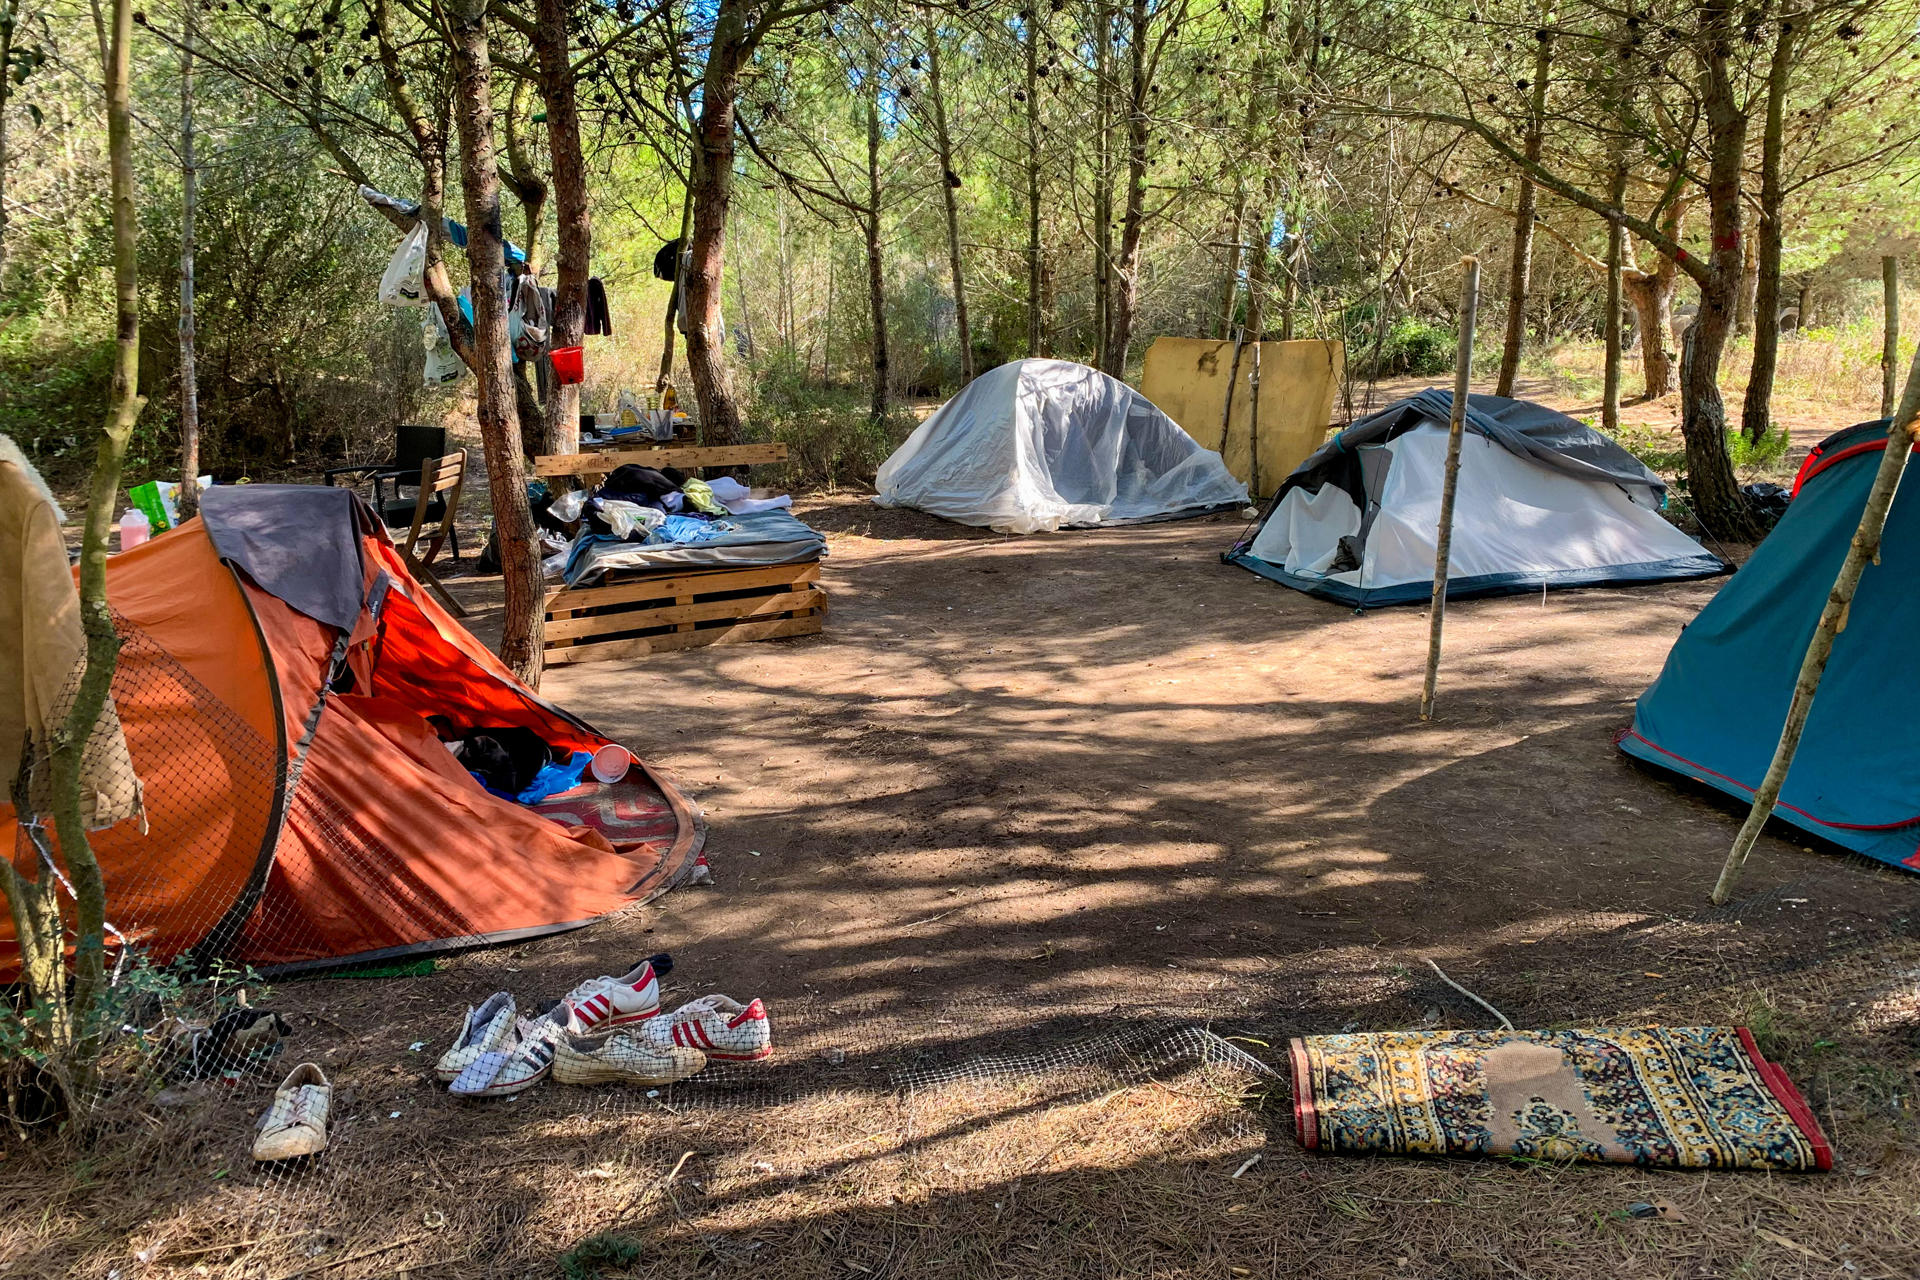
column 624, row 1056
column 486, row 1028
column 296, row 1124
column 521, row 1063
column 602, row 1003
column 719, row 1026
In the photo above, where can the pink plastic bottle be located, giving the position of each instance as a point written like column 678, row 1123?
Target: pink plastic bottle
column 135, row 528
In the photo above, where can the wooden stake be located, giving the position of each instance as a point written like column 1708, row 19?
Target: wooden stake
column 1890, row 343
column 1864, row 550
column 1456, row 428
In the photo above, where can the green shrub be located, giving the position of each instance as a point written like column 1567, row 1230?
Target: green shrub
column 1410, row 346
column 1756, row 455
column 829, row 431
column 1667, row 455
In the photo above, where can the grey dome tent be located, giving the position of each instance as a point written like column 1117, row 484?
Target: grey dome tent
column 1049, row 444
column 1543, row 501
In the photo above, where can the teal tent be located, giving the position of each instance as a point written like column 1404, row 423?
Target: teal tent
column 1715, row 713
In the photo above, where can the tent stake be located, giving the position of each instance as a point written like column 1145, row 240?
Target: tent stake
column 1833, row 619
column 1456, row 428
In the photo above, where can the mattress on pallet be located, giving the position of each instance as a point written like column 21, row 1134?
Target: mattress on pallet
column 764, row 538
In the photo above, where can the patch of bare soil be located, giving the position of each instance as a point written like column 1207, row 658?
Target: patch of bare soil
column 1027, row 793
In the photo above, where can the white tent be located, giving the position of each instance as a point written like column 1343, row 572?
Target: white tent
column 1543, row 501
column 1047, row 444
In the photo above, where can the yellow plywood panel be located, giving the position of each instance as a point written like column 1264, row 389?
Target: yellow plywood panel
column 1188, row 379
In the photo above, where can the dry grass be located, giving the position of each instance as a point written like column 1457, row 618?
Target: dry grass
column 816, row 1168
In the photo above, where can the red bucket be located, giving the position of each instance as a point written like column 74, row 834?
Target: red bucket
column 568, row 365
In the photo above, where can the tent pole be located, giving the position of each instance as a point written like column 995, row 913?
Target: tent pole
column 1456, row 428
column 1833, row 619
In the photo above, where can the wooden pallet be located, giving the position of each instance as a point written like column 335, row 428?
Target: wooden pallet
column 637, row 614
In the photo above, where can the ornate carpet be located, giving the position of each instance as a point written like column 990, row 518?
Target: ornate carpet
column 1675, row 1097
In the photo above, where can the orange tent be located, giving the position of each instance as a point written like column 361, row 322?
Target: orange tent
column 277, row 669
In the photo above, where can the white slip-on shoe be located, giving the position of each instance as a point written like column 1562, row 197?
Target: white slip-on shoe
column 719, row 1026
column 625, row 1057
column 490, row 1026
column 602, row 1003
column 296, row 1124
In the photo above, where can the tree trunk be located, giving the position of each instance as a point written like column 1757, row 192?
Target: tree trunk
column 1126, row 284
column 1616, row 253
column 1102, row 181
column 430, row 148
column 1520, row 270
column 189, row 498
column 1259, row 269
column 1712, row 489
column 9, row 20
column 572, row 222
column 1862, row 552
column 529, row 187
column 1756, row 409
column 1749, row 288
column 870, row 225
column 1889, row 332
column 1032, row 49
column 1650, row 294
column 1295, row 249
column 949, row 181
column 522, row 626
column 1230, row 278
column 728, row 51
column 124, row 403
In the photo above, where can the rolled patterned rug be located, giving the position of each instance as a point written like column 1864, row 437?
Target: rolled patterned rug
column 1670, row 1097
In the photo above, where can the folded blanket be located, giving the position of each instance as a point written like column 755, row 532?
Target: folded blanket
column 1674, row 1097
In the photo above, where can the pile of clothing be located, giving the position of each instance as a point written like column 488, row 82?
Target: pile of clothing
column 649, row 507
column 511, row 762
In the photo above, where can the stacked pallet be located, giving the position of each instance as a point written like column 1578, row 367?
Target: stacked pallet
column 634, row 613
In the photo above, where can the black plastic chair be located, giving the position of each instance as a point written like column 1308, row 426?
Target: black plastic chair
column 414, row 446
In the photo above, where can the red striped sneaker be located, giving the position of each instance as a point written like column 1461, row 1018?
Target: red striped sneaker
column 719, row 1026
column 600, row 1004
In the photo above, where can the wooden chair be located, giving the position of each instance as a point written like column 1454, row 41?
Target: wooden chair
column 413, row 447
column 438, row 476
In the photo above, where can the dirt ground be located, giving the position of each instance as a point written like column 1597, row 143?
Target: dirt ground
column 1028, row 806
column 1027, row 791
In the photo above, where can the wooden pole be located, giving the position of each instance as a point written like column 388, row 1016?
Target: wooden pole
column 1890, row 343
column 1833, row 619
column 1456, row 428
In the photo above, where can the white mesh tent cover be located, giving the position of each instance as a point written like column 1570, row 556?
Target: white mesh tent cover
column 1543, row 501
column 1047, row 444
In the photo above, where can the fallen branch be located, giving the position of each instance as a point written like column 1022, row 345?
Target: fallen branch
column 1469, row 995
